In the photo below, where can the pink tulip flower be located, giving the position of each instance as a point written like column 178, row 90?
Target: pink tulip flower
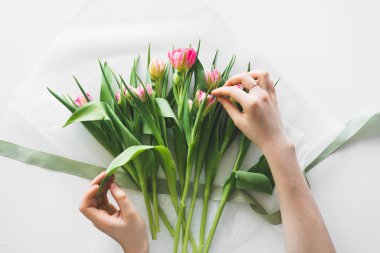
column 210, row 101
column 118, row 97
column 213, row 78
column 156, row 69
column 81, row 100
column 182, row 58
column 140, row 92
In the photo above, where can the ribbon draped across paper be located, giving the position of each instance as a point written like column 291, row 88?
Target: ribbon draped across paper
column 84, row 170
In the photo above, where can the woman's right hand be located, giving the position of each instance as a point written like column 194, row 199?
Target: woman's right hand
column 260, row 119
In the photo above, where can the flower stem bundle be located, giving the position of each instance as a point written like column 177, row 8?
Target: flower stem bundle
column 171, row 123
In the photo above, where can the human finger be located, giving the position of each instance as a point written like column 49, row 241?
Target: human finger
column 98, row 179
column 262, row 78
column 120, row 197
column 88, row 201
column 231, row 109
column 245, row 79
column 237, row 94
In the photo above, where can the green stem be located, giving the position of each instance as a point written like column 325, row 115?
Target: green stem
column 191, row 210
column 145, row 192
column 171, row 230
column 206, row 198
column 182, row 204
column 227, row 189
column 226, row 193
column 155, row 198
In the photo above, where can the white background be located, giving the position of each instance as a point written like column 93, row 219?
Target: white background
column 329, row 50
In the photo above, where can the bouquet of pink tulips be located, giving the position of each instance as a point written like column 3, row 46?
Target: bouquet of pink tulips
column 170, row 122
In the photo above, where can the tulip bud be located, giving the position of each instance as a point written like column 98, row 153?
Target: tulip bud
column 118, row 97
column 176, row 79
column 182, row 58
column 210, row 101
column 199, row 96
column 190, row 104
column 81, row 100
column 213, row 78
column 156, row 69
column 140, row 92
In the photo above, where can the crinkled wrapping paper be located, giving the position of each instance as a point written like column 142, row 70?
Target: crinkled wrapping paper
column 116, row 32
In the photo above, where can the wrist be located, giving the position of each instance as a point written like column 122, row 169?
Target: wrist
column 279, row 146
column 143, row 248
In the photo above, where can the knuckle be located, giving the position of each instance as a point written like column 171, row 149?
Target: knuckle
column 253, row 104
column 265, row 97
column 133, row 214
column 265, row 74
column 122, row 196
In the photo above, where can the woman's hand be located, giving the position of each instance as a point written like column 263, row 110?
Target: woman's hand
column 260, row 120
column 125, row 225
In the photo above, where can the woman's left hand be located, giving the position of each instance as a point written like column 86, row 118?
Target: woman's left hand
column 125, row 225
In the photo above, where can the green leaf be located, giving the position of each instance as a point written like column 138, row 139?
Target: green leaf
column 106, row 95
column 213, row 158
column 145, row 114
column 97, row 111
column 214, row 60
column 278, row 80
column 200, row 81
column 262, row 167
column 253, row 181
column 227, row 71
column 165, row 108
column 93, row 111
column 63, row 101
column 147, row 130
column 133, row 78
column 95, row 130
column 166, row 161
column 148, row 80
column 82, row 90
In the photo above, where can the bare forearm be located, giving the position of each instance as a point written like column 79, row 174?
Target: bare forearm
column 304, row 229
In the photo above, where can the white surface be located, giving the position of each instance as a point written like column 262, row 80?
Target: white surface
column 39, row 210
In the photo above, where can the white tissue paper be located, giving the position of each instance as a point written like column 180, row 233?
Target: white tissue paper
column 115, row 31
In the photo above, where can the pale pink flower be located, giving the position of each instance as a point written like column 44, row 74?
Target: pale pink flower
column 81, row 100
column 210, row 101
column 199, row 96
column 156, row 69
column 213, row 78
column 182, row 58
column 118, row 96
column 140, row 92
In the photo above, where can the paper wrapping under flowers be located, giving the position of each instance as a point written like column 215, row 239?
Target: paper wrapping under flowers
column 110, row 31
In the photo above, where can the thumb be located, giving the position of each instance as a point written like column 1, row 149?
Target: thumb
column 121, row 198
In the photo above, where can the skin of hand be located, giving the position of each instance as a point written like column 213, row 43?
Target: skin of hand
column 260, row 121
column 125, row 225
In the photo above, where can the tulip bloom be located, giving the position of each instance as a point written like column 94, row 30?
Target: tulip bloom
column 81, row 100
column 156, row 69
column 213, row 78
column 210, row 101
column 182, row 58
column 118, row 97
column 140, row 92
